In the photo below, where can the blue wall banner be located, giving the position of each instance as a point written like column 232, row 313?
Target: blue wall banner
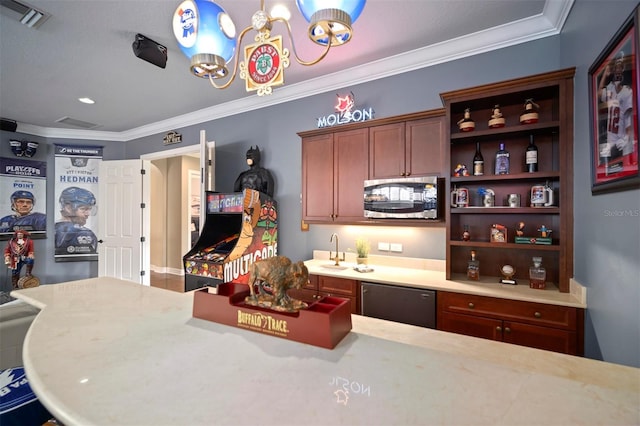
column 76, row 195
column 23, row 197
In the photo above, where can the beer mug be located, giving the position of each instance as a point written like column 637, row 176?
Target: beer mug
column 541, row 196
column 460, row 197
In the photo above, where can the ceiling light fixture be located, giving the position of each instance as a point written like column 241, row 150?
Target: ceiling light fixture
column 207, row 36
column 87, row 101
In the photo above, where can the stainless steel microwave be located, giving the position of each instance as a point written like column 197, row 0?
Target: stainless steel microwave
column 402, row 198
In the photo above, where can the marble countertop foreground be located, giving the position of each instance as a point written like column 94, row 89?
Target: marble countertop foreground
column 103, row 351
column 430, row 274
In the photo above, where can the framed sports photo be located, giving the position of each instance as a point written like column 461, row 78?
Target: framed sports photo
column 614, row 105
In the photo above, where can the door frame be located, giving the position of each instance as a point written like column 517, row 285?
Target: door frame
column 206, row 151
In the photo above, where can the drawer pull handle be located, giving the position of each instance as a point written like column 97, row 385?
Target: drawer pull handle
column 507, row 330
column 499, row 329
column 471, row 305
column 537, row 315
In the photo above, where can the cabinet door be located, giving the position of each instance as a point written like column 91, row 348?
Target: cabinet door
column 424, row 153
column 351, row 150
column 486, row 328
column 317, row 178
column 387, row 151
column 533, row 336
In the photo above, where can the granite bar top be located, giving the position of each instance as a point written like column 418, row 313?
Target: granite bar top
column 112, row 352
column 430, row 274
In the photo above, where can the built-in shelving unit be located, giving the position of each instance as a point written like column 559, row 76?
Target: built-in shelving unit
column 553, row 135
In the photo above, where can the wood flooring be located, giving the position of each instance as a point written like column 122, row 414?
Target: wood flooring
column 171, row 282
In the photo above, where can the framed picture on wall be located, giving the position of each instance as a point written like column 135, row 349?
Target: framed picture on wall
column 613, row 94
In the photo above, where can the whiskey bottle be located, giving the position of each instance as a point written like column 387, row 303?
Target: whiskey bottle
column 537, row 274
column 478, row 162
column 530, row 113
column 531, row 156
column 502, row 161
column 473, row 268
column 466, row 124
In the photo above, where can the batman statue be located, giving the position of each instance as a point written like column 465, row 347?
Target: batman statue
column 257, row 177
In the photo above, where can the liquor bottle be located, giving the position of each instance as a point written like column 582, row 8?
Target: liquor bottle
column 473, row 268
column 530, row 113
column 537, row 274
column 466, row 124
column 478, row 162
column 502, row 161
column 531, row 156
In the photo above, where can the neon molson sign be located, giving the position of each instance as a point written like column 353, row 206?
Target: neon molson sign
column 345, row 113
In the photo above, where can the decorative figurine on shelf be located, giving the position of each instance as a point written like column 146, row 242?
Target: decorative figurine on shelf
column 544, row 231
column 520, row 229
column 18, row 253
column 257, row 177
column 466, row 124
column 497, row 120
column 530, row 113
column 273, row 277
column 498, row 233
column 466, row 235
column 460, row 170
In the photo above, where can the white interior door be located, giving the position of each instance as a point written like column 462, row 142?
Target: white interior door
column 124, row 223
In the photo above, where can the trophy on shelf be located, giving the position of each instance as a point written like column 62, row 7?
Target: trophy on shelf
column 508, row 272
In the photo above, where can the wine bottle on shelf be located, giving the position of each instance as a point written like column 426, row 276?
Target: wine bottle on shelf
column 478, row 162
column 502, row 161
column 531, row 156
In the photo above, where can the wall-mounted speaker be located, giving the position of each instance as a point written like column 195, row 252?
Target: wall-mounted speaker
column 8, row 125
column 150, row 51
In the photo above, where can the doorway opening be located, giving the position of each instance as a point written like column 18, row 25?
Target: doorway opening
column 170, row 213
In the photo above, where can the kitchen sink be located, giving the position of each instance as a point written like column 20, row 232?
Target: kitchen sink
column 334, row 266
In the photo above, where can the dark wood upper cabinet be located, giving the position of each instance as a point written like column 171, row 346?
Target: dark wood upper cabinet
column 406, row 149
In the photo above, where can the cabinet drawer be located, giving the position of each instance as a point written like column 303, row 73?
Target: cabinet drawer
column 528, row 312
column 337, row 285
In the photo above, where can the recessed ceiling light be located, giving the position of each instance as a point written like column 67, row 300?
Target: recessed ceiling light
column 87, row 100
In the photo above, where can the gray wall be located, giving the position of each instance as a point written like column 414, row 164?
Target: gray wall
column 606, row 257
column 606, row 245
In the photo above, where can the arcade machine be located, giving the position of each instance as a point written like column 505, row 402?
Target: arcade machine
column 240, row 228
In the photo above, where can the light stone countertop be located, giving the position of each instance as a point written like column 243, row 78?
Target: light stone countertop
column 430, row 274
column 112, row 352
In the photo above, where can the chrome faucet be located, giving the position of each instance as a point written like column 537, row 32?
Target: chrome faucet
column 337, row 258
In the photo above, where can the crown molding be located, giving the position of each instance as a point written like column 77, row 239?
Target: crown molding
column 546, row 24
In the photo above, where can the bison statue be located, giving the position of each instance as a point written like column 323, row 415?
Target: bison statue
column 278, row 274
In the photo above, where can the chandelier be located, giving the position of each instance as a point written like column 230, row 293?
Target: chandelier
column 207, row 36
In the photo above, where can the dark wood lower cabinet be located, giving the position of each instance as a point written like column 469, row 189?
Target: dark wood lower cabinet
column 322, row 286
column 536, row 325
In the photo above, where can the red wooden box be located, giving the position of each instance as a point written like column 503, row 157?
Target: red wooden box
column 324, row 323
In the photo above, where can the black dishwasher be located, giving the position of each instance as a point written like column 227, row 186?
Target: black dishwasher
column 407, row 305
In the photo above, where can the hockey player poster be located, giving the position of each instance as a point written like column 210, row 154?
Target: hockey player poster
column 76, row 196
column 23, row 197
